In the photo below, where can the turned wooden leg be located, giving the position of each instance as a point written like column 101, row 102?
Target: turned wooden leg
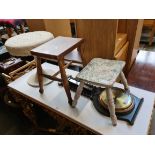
column 124, row 81
column 111, row 106
column 78, row 93
column 39, row 74
column 65, row 80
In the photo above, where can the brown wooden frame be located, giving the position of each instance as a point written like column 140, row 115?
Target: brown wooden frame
column 39, row 54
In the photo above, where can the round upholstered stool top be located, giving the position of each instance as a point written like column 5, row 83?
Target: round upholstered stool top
column 21, row 45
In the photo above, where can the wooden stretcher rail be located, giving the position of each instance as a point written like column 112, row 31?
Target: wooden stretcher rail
column 21, row 68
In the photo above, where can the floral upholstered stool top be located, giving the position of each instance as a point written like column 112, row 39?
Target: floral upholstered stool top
column 102, row 73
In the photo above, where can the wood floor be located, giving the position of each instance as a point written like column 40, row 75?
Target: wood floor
column 142, row 74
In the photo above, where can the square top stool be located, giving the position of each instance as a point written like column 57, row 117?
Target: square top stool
column 102, row 73
column 56, row 49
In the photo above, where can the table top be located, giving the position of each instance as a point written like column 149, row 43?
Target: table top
column 57, row 47
column 84, row 113
column 101, row 72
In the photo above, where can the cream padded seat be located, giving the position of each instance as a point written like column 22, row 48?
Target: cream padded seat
column 22, row 44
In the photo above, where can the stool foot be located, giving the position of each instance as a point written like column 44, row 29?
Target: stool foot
column 41, row 91
column 70, row 103
column 114, row 120
column 65, row 80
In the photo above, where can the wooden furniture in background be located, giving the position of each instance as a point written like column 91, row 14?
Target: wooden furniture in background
column 150, row 23
column 57, row 49
column 121, row 46
column 122, row 54
column 121, row 39
column 102, row 39
column 99, row 35
column 59, row 27
column 133, row 29
column 35, row 24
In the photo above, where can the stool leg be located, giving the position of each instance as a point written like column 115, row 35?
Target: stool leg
column 78, row 93
column 80, row 50
column 124, row 81
column 39, row 74
column 111, row 106
column 65, row 80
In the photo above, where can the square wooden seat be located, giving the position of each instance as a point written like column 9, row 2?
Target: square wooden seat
column 57, row 49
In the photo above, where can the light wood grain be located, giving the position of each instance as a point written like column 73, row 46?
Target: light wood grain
column 35, row 24
column 57, row 47
column 122, row 54
column 59, row 27
column 133, row 28
column 99, row 35
column 121, row 39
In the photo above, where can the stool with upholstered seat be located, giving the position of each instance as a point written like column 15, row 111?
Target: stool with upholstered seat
column 21, row 45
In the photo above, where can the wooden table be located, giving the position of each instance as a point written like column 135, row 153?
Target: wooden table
column 84, row 114
column 57, row 49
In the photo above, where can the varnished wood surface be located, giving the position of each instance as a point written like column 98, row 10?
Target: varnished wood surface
column 136, row 43
column 59, row 27
column 133, row 28
column 100, row 37
column 142, row 74
column 35, row 24
column 122, row 54
column 148, row 22
column 56, row 47
column 121, row 39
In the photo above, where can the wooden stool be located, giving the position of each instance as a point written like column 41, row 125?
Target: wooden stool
column 57, row 49
column 102, row 73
